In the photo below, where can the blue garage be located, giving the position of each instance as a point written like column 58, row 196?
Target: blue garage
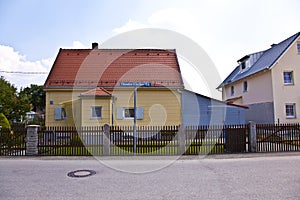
column 201, row 110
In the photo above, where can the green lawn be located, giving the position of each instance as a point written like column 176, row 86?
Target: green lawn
column 159, row 148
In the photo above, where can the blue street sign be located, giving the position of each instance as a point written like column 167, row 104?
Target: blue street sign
column 135, row 84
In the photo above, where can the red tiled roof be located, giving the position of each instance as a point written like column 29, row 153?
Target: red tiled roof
column 109, row 67
column 96, row 92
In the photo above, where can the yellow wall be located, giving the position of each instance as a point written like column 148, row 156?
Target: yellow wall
column 161, row 107
column 87, row 103
column 59, row 97
column 283, row 94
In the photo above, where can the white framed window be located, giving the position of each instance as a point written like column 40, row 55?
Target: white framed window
column 96, row 112
column 245, row 86
column 288, row 78
column 290, row 110
column 128, row 113
column 232, row 90
column 298, row 47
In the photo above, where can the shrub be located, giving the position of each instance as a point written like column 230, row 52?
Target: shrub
column 4, row 121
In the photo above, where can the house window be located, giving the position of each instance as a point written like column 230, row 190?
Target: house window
column 290, row 110
column 60, row 114
column 96, row 112
column 243, row 65
column 245, row 86
column 298, row 47
column 232, row 90
column 128, row 113
column 288, row 78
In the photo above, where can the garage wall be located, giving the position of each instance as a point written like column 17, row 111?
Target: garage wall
column 200, row 110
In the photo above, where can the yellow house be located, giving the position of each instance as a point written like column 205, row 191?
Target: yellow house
column 268, row 83
column 93, row 87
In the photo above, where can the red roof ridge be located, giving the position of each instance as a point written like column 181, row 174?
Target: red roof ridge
column 155, row 49
column 96, row 92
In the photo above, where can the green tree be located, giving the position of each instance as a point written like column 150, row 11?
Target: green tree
column 36, row 95
column 8, row 98
column 12, row 105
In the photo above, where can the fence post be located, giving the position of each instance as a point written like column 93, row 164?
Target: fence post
column 181, row 138
column 32, row 140
column 106, row 140
column 252, row 136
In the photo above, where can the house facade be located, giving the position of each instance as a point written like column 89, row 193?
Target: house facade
column 267, row 82
column 93, row 87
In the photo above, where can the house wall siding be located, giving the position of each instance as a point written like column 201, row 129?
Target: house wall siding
column 87, row 103
column 254, row 113
column 161, row 106
column 283, row 94
column 57, row 97
column 259, row 90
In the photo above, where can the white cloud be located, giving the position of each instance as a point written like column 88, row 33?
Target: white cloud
column 130, row 25
column 76, row 45
column 171, row 17
column 179, row 20
column 12, row 61
column 226, row 30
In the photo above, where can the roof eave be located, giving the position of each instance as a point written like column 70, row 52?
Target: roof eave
column 281, row 55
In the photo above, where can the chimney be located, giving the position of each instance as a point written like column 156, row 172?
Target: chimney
column 94, row 45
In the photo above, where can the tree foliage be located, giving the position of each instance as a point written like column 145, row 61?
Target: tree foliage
column 13, row 105
column 36, row 95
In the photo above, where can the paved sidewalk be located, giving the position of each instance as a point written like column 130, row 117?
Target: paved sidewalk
column 183, row 157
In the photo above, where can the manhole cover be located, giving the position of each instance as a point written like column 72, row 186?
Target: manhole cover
column 81, row 173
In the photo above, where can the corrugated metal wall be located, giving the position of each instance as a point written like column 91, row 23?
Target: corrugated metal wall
column 200, row 110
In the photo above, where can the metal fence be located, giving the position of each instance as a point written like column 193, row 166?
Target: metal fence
column 152, row 140
column 12, row 141
column 278, row 137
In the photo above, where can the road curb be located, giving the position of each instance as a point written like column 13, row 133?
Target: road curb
column 189, row 157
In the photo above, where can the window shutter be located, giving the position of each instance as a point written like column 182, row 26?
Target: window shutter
column 120, row 113
column 140, row 113
column 57, row 113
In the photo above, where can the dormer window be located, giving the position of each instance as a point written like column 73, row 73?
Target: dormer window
column 243, row 65
column 243, row 62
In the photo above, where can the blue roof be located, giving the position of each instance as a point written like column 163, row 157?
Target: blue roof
column 260, row 61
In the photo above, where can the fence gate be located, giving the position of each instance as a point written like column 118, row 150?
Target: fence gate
column 236, row 139
column 12, row 141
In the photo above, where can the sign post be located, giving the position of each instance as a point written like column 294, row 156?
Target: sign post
column 135, row 85
column 134, row 121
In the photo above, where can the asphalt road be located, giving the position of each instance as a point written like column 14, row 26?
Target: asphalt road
column 276, row 177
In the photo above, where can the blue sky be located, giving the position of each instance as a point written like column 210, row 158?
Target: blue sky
column 32, row 31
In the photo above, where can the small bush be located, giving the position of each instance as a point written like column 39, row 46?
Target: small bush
column 4, row 121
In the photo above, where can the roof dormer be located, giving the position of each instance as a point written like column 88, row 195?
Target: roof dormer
column 243, row 63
